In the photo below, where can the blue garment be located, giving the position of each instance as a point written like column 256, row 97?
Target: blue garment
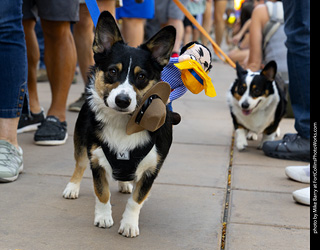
column 131, row 9
column 13, row 59
column 297, row 29
column 172, row 75
column 40, row 38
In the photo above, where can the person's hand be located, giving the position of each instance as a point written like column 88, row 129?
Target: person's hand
column 236, row 39
column 186, row 57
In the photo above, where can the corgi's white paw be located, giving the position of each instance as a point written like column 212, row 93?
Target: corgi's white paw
column 103, row 221
column 71, row 191
column 252, row 136
column 241, row 139
column 241, row 143
column 125, row 187
column 103, row 214
column 129, row 228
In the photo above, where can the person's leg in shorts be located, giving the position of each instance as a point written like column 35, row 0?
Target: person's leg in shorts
column 206, row 21
column 168, row 13
column 188, row 29
column 133, row 17
column 60, row 58
column 219, row 23
column 83, row 34
column 83, row 37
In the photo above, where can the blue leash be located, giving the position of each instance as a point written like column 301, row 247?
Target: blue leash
column 94, row 10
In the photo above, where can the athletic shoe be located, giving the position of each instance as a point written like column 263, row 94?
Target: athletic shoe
column 51, row 132
column 291, row 147
column 11, row 163
column 302, row 196
column 77, row 105
column 299, row 173
column 30, row 122
column 42, row 75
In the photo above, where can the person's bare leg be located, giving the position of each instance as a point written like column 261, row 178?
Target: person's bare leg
column 83, row 37
column 33, row 56
column 133, row 31
column 206, row 21
column 8, row 130
column 219, row 25
column 187, row 37
column 195, row 34
column 178, row 24
column 109, row 5
column 60, row 58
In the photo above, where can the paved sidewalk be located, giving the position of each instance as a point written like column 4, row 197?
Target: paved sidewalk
column 187, row 207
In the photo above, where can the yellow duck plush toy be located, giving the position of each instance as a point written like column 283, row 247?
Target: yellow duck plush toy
column 189, row 71
column 195, row 64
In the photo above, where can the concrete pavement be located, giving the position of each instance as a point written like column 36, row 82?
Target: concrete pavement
column 204, row 198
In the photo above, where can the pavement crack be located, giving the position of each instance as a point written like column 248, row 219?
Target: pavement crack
column 227, row 197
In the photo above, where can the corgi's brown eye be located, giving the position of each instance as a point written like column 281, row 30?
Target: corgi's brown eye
column 242, row 88
column 113, row 72
column 256, row 92
column 141, row 77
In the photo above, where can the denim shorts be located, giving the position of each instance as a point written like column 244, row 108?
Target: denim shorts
column 51, row 10
column 13, row 60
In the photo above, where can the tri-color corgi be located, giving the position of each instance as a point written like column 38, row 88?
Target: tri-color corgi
column 257, row 104
column 118, row 81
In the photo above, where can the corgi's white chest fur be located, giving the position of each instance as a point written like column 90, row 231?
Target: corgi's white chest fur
column 113, row 133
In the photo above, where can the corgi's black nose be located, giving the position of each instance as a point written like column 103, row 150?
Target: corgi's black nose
column 245, row 105
column 123, row 101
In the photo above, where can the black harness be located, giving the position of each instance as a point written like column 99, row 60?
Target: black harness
column 124, row 164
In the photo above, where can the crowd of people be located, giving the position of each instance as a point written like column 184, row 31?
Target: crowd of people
column 263, row 31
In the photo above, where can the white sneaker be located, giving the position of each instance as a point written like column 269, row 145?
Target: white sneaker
column 11, row 162
column 302, row 196
column 299, row 173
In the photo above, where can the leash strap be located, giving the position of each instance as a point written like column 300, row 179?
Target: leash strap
column 94, row 10
column 215, row 46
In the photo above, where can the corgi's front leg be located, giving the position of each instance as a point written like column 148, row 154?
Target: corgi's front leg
column 241, row 139
column 101, row 172
column 129, row 226
column 103, row 212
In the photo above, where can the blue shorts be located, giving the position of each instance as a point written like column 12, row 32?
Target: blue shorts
column 131, row 9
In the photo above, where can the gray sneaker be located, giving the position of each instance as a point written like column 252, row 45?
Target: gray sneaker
column 77, row 105
column 11, row 163
column 291, row 147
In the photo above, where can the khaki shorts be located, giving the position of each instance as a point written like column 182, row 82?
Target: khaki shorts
column 51, row 10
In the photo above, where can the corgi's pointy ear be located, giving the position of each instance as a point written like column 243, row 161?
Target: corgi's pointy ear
column 240, row 71
column 270, row 70
column 161, row 45
column 107, row 33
